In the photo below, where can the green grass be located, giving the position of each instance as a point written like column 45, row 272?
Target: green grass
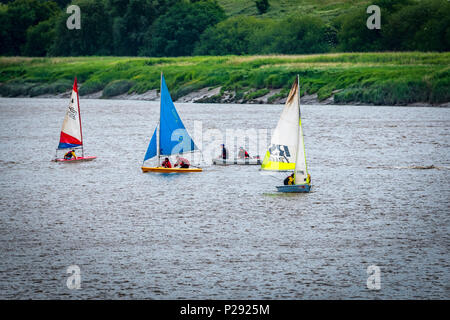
column 256, row 94
column 326, row 9
column 374, row 78
column 117, row 87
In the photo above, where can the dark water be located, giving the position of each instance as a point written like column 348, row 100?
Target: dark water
column 225, row 233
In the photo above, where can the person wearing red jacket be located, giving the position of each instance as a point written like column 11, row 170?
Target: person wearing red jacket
column 243, row 153
column 182, row 162
column 166, row 163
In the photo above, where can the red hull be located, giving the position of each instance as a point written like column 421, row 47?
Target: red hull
column 78, row 159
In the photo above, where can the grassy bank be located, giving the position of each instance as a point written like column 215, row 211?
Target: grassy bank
column 324, row 9
column 371, row 78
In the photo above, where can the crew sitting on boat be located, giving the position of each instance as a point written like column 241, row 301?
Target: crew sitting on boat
column 289, row 180
column 224, row 152
column 243, row 153
column 182, row 162
column 166, row 163
column 69, row 155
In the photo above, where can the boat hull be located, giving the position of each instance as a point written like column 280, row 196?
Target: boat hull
column 297, row 188
column 170, row 170
column 227, row 162
column 78, row 159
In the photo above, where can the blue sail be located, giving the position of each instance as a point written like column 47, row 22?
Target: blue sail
column 151, row 150
column 174, row 137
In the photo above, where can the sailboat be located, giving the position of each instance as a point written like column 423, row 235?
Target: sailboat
column 71, row 137
column 287, row 149
column 170, row 136
column 236, row 161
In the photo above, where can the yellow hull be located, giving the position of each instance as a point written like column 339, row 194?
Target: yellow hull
column 170, row 170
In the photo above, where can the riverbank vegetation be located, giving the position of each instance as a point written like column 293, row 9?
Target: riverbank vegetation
column 371, row 78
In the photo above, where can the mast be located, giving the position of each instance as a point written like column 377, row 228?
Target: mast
column 299, row 124
column 299, row 108
column 79, row 116
column 298, row 85
column 159, row 123
column 300, row 137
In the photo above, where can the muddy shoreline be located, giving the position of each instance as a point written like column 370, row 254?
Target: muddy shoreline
column 213, row 95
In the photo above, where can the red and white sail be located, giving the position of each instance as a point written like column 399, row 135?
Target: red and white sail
column 71, row 134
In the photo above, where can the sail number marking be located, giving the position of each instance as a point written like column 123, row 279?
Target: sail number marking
column 279, row 153
column 71, row 112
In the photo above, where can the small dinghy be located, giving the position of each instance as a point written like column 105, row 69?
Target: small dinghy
column 170, row 170
column 71, row 137
column 227, row 162
column 170, row 136
column 294, row 188
column 78, row 159
column 287, row 149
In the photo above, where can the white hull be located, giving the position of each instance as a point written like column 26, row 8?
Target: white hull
column 226, row 162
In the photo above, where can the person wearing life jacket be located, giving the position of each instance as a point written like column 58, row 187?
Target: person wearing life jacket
column 289, row 180
column 224, row 151
column 243, row 153
column 69, row 155
column 308, row 179
column 166, row 163
column 182, row 162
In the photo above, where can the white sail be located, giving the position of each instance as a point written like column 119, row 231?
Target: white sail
column 301, row 171
column 282, row 152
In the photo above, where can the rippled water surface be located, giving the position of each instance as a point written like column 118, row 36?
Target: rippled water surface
column 225, row 233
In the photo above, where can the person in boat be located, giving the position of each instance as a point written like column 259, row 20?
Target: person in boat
column 69, row 155
column 308, row 180
column 224, row 151
column 166, row 163
column 243, row 153
column 289, row 181
column 182, row 162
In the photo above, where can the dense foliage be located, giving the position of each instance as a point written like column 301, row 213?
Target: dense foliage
column 187, row 27
column 378, row 78
column 176, row 32
column 262, row 5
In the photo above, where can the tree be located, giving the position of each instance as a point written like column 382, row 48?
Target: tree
column 424, row 26
column 292, row 35
column 405, row 25
column 262, row 6
column 63, row 3
column 40, row 38
column 130, row 21
column 94, row 37
column 232, row 36
column 176, row 32
column 353, row 34
column 17, row 17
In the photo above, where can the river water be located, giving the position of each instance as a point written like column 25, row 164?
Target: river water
column 225, row 233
